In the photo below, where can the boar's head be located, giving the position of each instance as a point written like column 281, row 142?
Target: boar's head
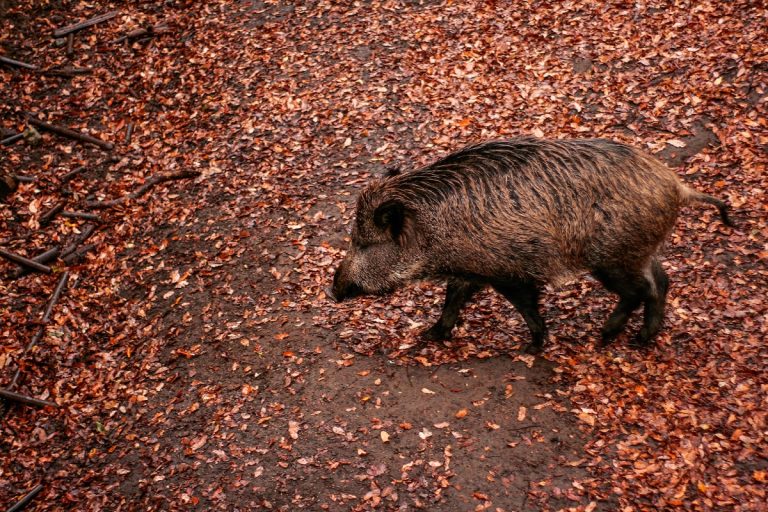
column 382, row 255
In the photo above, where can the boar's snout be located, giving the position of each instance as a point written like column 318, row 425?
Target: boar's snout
column 343, row 288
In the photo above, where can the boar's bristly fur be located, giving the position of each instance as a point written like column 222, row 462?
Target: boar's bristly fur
column 516, row 215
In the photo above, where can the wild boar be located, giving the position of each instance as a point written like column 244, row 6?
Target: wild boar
column 518, row 214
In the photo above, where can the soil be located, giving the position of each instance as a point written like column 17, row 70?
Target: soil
column 206, row 367
column 243, row 399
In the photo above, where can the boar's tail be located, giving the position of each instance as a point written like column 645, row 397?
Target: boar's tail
column 692, row 196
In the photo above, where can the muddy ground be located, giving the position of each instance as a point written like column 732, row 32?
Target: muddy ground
column 199, row 362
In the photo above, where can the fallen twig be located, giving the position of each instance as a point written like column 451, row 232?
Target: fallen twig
column 75, row 256
column 41, row 330
column 81, row 215
column 17, row 63
column 25, row 262
column 48, row 216
column 45, row 257
column 66, row 132
column 71, row 174
column 68, row 72
column 74, row 172
column 145, row 31
column 151, row 182
column 69, row 29
column 12, row 139
column 84, row 235
column 26, row 500
column 29, row 400
column 128, row 133
column 55, row 297
column 25, row 179
column 70, row 43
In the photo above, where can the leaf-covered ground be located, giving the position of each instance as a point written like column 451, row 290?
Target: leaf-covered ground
column 196, row 359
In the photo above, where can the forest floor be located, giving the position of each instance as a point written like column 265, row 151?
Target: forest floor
column 195, row 357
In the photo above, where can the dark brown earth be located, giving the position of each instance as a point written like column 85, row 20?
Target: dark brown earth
column 218, row 432
column 196, row 358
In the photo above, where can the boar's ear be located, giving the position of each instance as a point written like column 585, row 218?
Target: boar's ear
column 390, row 216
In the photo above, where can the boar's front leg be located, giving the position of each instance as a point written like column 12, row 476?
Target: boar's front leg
column 524, row 296
column 458, row 293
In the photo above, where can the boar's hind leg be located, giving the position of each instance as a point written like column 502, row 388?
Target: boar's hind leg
column 635, row 288
column 653, row 312
column 458, row 293
column 525, row 297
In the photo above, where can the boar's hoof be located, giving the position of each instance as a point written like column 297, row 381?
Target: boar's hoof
column 642, row 340
column 533, row 348
column 606, row 340
column 609, row 333
column 436, row 333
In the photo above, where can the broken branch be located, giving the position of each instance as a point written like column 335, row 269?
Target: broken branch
column 17, row 63
column 84, row 235
column 26, row 500
column 45, row 257
column 81, row 215
column 29, row 400
column 75, row 256
column 48, row 216
column 68, row 72
column 66, row 132
column 69, row 29
column 10, row 140
column 71, row 174
column 146, row 31
column 128, row 133
column 41, row 330
column 55, row 297
column 151, row 182
column 25, row 262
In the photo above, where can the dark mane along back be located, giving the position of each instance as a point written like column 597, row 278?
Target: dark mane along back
column 471, row 168
column 552, row 166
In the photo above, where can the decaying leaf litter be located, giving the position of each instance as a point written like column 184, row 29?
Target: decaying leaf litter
column 194, row 355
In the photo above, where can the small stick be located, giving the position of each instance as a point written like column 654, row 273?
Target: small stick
column 84, row 235
column 45, row 257
column 25, row 262
column 25, row 179
column 128, row 133
column 70, row 43
column 48, row 216
column 41, row 330
column 71, row 174
column 17, row 63
column 146, row 31
column 26, row 500
column 29, row 400
column 69, row 29
column 151, row 182
column 75, row 256
column 55, row 296
column 66, row 132
column 81, row 215
column 68, row 72
column 12, row 139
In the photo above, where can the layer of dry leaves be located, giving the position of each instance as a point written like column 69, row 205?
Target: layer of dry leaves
column 195, row 356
